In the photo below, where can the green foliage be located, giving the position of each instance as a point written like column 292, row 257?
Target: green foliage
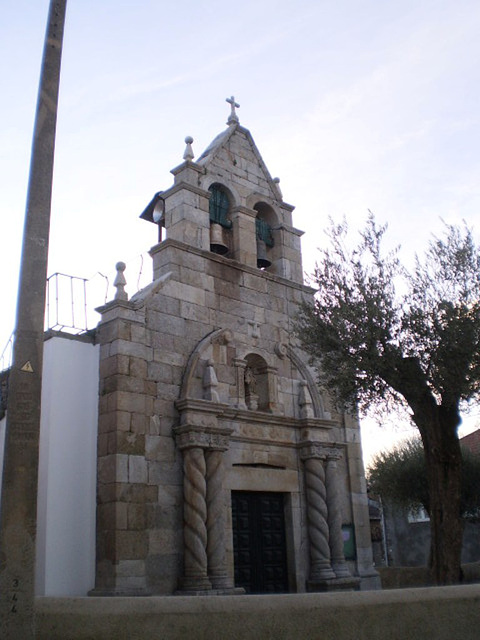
column 399, row 476
column 374, row 327
column 380, row 335
column 442, row 316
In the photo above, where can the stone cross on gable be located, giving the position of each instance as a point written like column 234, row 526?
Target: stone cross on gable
column 232, row 118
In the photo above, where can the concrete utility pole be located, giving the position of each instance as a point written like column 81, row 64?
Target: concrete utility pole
column 20, row 474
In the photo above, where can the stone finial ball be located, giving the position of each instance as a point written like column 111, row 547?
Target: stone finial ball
column 188, row 140
column 120, row 266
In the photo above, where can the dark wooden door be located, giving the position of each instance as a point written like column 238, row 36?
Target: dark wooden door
column 259, row 547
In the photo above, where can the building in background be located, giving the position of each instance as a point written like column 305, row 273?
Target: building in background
column 401, row 537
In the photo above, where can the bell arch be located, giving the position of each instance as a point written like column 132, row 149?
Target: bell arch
column 265, row 225
column 220, row 208
column 209, row 181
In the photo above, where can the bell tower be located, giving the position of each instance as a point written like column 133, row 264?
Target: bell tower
column 222, row 468
column 227, row 203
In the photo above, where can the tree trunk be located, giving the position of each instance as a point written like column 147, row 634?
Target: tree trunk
column 438, row 428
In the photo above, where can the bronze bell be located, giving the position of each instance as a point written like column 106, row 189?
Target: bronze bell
column 217, row 243
column 262, row 261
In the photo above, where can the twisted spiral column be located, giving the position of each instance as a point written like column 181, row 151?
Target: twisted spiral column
column 217, row 566
column 335, row 519
column 317, row 514
column 195, row 516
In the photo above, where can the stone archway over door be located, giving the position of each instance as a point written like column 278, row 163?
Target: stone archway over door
column 259, row 543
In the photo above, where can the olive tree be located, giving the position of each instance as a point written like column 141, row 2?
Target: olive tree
column 381, row 334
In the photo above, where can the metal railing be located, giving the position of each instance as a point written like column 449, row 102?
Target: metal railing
column 71, row 302
column 6, row 356
column 66, row 307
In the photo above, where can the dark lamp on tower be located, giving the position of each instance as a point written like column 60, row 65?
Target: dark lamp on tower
column 155, row 212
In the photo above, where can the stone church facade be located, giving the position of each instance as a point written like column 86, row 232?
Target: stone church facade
column 221, row 465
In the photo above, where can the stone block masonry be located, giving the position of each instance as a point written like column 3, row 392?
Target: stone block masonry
column 204, row 397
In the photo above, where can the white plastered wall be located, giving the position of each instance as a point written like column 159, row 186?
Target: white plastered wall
column 67, row 468
column 65, row 562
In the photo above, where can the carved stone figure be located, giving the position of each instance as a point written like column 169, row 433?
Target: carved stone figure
column 250, row 382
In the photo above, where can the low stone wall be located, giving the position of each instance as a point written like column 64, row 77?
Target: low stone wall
column 401, row 577
column 441, row 613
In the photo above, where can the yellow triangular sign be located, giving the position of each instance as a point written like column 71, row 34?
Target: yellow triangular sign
column 27, row 367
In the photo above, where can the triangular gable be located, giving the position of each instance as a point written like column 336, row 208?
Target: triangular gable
column 236, row 146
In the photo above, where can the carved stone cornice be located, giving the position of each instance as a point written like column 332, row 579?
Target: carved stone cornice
column 201, row 415
column 318, row 450
column 334, row 454
column 252, row 213
column 115, row 304
column 263, row 417
column 290, row 229
column 199, row 405
column 240, row 362
column 313, row 450
column 313, row 423
column 200, row 418
column 186, row 186
column 189, row 436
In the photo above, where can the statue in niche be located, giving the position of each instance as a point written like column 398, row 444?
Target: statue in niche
column 250, row 381
column 250, row 389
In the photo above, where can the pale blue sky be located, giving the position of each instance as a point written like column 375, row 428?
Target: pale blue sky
column 354, row 104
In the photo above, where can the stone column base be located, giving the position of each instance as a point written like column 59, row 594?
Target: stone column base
column 335, row 584
column 194, row 585
column 370, row 581
column 340, row 569
column 232, row 591
column 121, row 592
column 221, row 582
